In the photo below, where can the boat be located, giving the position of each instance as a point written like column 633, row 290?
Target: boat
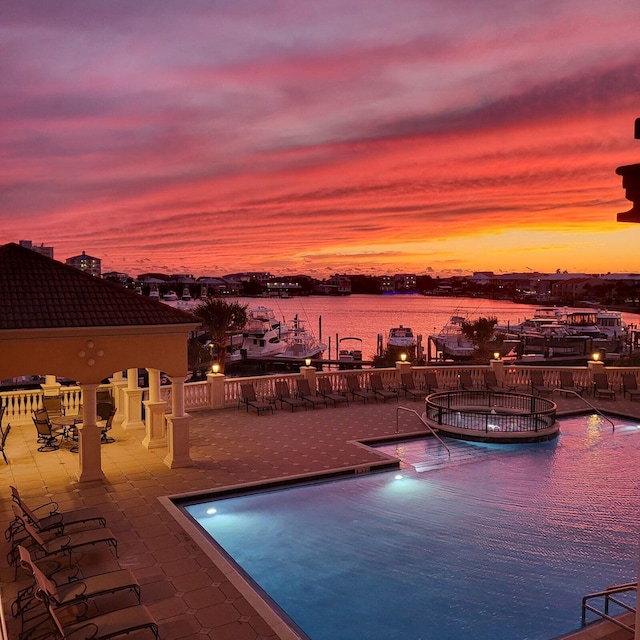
column 300, row 343
column 401, row 337
column 350, row 358
column 170, row 296
column 186, row 294
column 451, row 343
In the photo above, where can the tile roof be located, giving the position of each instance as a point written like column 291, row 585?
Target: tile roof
column 37, row 292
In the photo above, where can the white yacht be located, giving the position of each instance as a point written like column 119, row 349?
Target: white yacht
column 401, row 337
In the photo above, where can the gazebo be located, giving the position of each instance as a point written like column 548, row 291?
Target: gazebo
column 59, row 321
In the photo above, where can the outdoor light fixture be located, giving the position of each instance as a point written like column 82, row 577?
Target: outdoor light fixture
column 595, row 356
column 307, row 361
column 215, row 368
column 496, row 355
column 403, row 357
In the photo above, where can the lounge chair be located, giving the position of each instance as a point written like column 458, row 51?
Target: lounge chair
column 304, row 392
column 47, row 437
column 80, row 590
column 284, row 395
column 356, row 391
column 431, row 382
column 326, row 391
column 491, row 382
column 377, row 386
column 59, row 543
column 464, row 380
column 537, row 383
column 567, row 382
column 107, row 625
column 249, row 398
column 53, row 518
column 601, row 386
column 630, row 386
column 409, row 387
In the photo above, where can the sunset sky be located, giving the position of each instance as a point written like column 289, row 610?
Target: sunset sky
column 300, row 136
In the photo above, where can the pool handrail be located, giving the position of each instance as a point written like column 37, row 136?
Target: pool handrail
column 577, row 395
column 607, row 594
column 425, row 423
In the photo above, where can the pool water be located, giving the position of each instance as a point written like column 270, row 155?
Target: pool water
column 496, row 542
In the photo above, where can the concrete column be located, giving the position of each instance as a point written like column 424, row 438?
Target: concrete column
column 132, row 402
column 89, row 453
column 156, row 435
column 178, row 428
column 118, row 385
column 154, row 385
column 216, row 390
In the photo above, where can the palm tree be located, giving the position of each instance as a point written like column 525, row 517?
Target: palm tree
column 220, row 319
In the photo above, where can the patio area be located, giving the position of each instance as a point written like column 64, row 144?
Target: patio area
column 188, row 594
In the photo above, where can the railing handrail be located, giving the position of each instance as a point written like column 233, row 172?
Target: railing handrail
column 575, row 393
column 606, row 594
column 425, row 423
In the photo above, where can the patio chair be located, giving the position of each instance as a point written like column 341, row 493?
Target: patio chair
column 326, row 391
column 304, row 392
column 431, row 382
column 47, row 437
column 59, row 543
column 567, row 383
column 601, row 386
column 284, row 395
column 53, row 405
column 249, row 398
column 630, row 386
column 537, row 383
column 79, row 590
column 409, row 387
column 3, row 440
column 108, row 425
column 377, row 386
column 356, row 391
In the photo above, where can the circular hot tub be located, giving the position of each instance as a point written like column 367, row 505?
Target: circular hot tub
column 492, row 416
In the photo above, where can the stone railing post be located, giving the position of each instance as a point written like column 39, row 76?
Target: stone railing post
column 403, row 367
column 51, row 386
column 309, row 373
column 216, row 389
column 595, row 366
column 156, row 434
column 497, row 365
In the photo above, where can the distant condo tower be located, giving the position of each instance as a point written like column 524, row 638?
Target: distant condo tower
column 86, row 263
column 38, row 248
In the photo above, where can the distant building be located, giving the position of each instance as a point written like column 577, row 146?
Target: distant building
column 336, row 285
column 88, row 264
column 38, row 248
column 405, row 282
column 386, row 284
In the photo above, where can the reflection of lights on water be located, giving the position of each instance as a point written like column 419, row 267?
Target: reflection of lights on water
column 211, row 511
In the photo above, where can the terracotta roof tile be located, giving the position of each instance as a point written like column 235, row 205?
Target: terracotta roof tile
column 37, row 292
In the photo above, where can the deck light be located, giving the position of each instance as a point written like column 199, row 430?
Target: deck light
column 307, row 361
column 496, row 355
column 215, row 368
column 403, row 357
column 595, row 356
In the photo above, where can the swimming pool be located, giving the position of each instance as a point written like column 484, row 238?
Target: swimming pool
column 499, row 543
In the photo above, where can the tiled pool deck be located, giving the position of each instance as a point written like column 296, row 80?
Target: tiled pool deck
column 188, row 594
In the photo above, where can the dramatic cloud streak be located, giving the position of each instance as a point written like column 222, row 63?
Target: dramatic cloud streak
column 383, row 135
